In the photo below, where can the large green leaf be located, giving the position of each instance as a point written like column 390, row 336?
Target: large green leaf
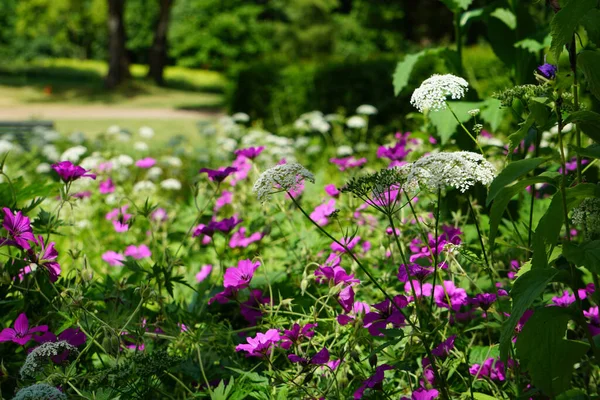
column 457, row 5
column 565, row 22
column 588, row 122
column 532, row 45
column 589, row 61
column 468, row 16
column 591, row 25
column 524, row 292
column 511, row 173
column 506, row 16
column 544, row 352
column 503, row 198
column 592, row 151
column 446, row 124
column 586, row 254
column 516, row 138
column 404, row 69
column 493, row 113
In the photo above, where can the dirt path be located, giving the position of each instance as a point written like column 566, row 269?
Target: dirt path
column 52, row 112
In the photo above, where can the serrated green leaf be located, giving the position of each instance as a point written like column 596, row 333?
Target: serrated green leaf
column 506, row 16
column 511, row 173
column 533, row 46
column 589, row 61
column 565, row 22
column 524, row 292
column 588, row 122
column 586, row 254
column 493, row 113
column 446, row 124
column 404, row 69
column 545, row 353
column 591, row 25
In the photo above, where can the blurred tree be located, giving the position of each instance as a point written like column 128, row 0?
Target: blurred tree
column 157, row 59
column 118, row 62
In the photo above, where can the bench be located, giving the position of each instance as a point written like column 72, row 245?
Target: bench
column 20, row 129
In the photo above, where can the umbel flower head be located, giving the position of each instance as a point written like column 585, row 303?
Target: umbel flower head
column 588, row 215
column 460, row 170
column 432, row 94
column 40, row 391
column 40, row 355
column 287, row 177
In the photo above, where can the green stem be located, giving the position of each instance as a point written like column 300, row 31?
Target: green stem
column 573, row 61
column 464, row 128
column 458, row 39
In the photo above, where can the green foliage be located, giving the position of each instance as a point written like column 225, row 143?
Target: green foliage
column 545, row 353
column 588, row 61
column 586, row 254
column 512, row 172
column 565, row 22
column 588, row 122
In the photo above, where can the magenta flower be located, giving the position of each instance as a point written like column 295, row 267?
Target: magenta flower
column 119, row 217
column 346, row 298
column 332, row 190
column 359, row 309
column 348, row 162
column 398, row 151
column 21, row 333
column 243, row 167
column 46, row 257
column 240, row 240
column 239, row 277
column 423, row 394
column 225, row 296
column 218, row 175
column 565, row 300
column 421, row 289
column 322, row 211
column 415, row 271
column 491, row 368
column 349, row 243
column 376, row 321
column 261, row 345
column 593, row 315
column 250, row 152
column 297, row 334
column 225, row 198
column 73, row 336
column 226, row 225
column 69, row 172
column 145, row 163
column 320, row 358
column 138, row 252
column 443, row 349
column 484, row 300
column 450, row 296
column 106, row 186
column 204, row 273
column 159, row 215
column 336, row 274
column 372, row 382
column 19, row 229
column 113, row 258
column 250, row 309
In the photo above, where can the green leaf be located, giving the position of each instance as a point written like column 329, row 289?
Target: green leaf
column 468, row 16
column 457, row 5
column 588, row 122
column 404, row 69
column 446, row 124
column 493, row 113
column 516, row 138
column 478, row 354
column 525, row 290
column 540, row 112
column 586, row 254
column 565, row 22
column 506, row 16
column 591, row 25
column 532, row 45
column 545, row 353
column 481, row 396
column 588, row 61
column 573, row 394
column 503, row 198
column 511, row 173
column 592, row 151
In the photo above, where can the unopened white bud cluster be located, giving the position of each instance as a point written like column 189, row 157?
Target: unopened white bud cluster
column 40, row 391
column 40, row 355
column 285, row 176
column 588, row 215
column 432, row 94
column 460, row 170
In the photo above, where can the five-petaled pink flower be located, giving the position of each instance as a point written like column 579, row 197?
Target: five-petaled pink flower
column 147, row 162
column 138, row 252
column 21, row 333
column 19, row 229
column 261, row 345
column 250, row 152
column 73, row 336
column 239, row 277
column 218, row 175
column 69, row 172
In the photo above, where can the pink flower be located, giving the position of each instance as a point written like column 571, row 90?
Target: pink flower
column 320, row 358
column 376, row 321
column 218, row 175
column 139, row 252
column 348, row 162
column 296, row 335
column 69, row 172
column 106, row 186
column 421, row 290
column 346, row 298
column 358, row 309
column 449, row 296
column 250, row 152
column 372, row 382
column 399, row 151
column 46, row 257
column 113, row 258
column 19, row 229
column 250, row 309
column 423, row 394
column 565, row 300
column 332, row 190
column 323, row 211
column 159, row 215
column 240, row 240
column 204, row 273
column 243, row 167
column 225, row 198
column 444, row 348
column 261, row 345
column 239, row 277
column 73, row 336
column 21, row 334
column 119, row 217
column 349, row 243
column 145, row 163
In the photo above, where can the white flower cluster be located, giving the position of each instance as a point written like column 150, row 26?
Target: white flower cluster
column 312, row 121
column 240, row 117
column 460, row 170
column 432, row 94
column 356, row 122
column 285, row 176
column 40, row 355
column 588, row 215
column 73, row 154
column 40, row 391
column 171, row 184
column 366, row 109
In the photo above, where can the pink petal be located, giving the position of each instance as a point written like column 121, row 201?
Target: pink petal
column 22, row 324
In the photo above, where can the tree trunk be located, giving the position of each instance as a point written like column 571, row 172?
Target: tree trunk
column 158, row 52
column 118, row 64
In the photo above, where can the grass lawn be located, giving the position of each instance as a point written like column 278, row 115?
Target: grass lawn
column 65, row 81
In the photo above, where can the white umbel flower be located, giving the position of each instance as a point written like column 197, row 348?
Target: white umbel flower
column 588, row 215
column 41, row 354
column 73, row 154
column 284, row 177
column 240, row 117
column 460, row 170
column 171, row 184
column 144, row 186
column 40, row 391
column 356, row 122
column 146, row 132
column 432, row 94
column 366, row 109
